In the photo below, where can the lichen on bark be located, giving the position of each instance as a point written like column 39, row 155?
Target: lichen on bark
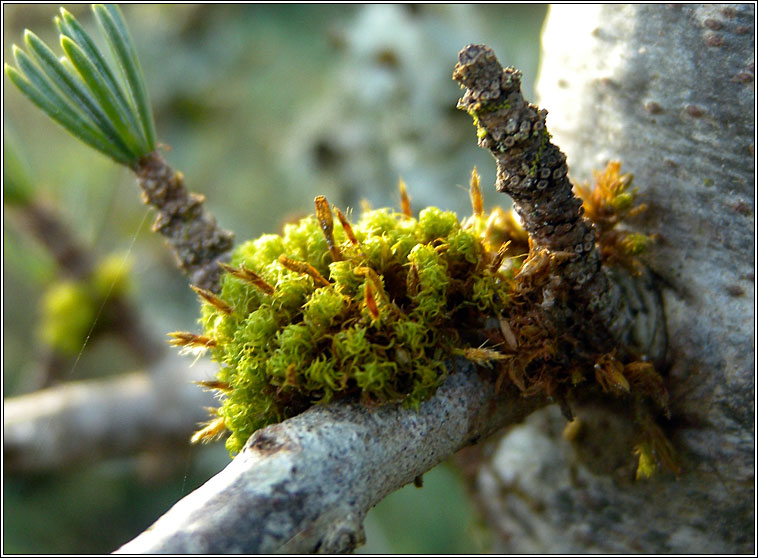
column 533, row 171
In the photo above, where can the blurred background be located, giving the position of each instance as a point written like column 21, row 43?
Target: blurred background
column 262, row 107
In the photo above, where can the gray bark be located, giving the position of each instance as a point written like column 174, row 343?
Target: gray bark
column 669, row 91
column 78, row 422
column 306, row 484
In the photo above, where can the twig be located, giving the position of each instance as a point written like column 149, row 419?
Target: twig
column 81, row 421
column 76, row 262
column 306, row 484
column 80, row 92
column 46, row 225
column 533, row 172
column 199, row 244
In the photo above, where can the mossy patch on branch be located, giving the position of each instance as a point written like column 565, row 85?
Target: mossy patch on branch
column 377, row 319
column 378, row 311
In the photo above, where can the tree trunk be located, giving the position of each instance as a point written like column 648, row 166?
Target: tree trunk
column 669, row 91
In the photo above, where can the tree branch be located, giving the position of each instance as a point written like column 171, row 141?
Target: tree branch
column 668, row 90
column 192, row 232
column 532, row 170
column 306, row 484
column 47, row 226
column 81, row 421
column 77, row 263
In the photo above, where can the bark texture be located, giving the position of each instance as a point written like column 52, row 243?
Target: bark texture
column 79, row 422
column 532, row 170
column 197, row 241
column 669, row 91
column 305, row 484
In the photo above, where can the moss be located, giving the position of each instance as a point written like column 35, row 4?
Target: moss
column 68, row 310
column 380, row 329
column 378, row 313
column 647, row 464
column 111, row 276
column 435, row 223
column 610, row 201
column 635, row 243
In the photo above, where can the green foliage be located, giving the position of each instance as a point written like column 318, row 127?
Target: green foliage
column 70, row 307
column 381, row 330
column 18, row 188
column 80, row 91
column 111, row 278
column 61, row 515
column 68, row 311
